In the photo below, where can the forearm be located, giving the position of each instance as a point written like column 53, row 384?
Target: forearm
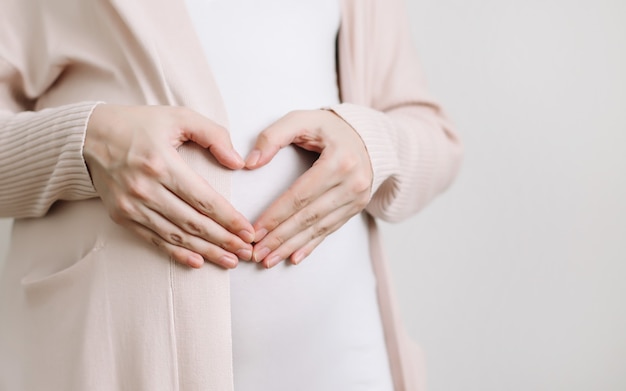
column 413, row 150
column 414, row 155
column 41, row 159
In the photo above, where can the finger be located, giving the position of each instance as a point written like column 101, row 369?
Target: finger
column 215, row 237
column 178, row 254
column 302, row 221
column 290, row 129
column 313, row 235
column 196, row 191
column 212, row 136
column 300, row 255
column 183, row 248
column 316, row 181
column 192, row 223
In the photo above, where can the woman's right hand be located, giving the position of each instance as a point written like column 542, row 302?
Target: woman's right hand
column 147, row 187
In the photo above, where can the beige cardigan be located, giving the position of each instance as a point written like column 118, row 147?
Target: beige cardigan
column 84, row 305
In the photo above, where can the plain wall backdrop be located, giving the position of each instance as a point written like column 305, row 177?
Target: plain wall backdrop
column 515, row 279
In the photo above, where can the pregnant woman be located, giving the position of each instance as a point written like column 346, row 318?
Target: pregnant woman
column 148, row 254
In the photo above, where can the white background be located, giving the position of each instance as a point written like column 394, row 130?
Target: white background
column 516, row 278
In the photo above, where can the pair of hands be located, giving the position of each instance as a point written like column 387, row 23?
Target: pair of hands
column 147, row 187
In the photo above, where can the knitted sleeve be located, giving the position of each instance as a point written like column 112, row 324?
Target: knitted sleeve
column 414, row 152
column 41, row 157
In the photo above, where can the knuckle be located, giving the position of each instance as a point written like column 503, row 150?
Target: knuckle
column 276, row 241
column 309, row 218
column 230, row 243
column 264, row 138
column 116, row 217
column 124, row 208
column 148, row 220
column 298, row 200
column 227, row 242
column 157, row 241
column 176, row 238
column 193, row 228
column 347, row 164
column 321, row 230
column 237, row 222
column 234, row 244
column 206, row 207
column 273, row 222
column 152, row 165
column 138, row 189
column 361, row 184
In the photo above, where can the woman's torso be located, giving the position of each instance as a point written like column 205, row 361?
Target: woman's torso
column 316, row 325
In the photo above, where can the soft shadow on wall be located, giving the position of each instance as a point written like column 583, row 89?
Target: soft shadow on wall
column 514, row 279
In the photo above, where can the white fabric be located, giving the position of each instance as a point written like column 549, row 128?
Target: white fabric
column 315, row 326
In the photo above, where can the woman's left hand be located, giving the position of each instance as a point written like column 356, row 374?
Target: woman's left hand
column 321, row 200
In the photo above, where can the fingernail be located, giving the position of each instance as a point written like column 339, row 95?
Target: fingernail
column 195, row 261
column 260, row 234
column 238, row 159
column 244, row 254
column 258, row 256
column 246, row 235
column 273, row 261
column 229, row 261
column 297, row 258
column 253, row 158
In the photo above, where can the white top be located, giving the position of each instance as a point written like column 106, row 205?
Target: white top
column 315, row 326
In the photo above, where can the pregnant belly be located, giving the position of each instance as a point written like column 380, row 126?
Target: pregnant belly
column 322, row 313
column 254, row 190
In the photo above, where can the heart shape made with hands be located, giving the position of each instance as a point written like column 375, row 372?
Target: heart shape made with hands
column 313, row 194
column 132, row 155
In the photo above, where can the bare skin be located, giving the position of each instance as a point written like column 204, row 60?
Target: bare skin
column 324, row 198
column 147, row 187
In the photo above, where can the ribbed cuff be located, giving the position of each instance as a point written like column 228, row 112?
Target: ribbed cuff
column 42, row 159
column 82, row 185
column 378, row 134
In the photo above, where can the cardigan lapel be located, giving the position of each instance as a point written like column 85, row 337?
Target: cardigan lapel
column 177, row 73
column 180, row 75
column 164, row 32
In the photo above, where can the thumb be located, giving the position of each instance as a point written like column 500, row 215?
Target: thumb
column 280, row 134
column 214, row 137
